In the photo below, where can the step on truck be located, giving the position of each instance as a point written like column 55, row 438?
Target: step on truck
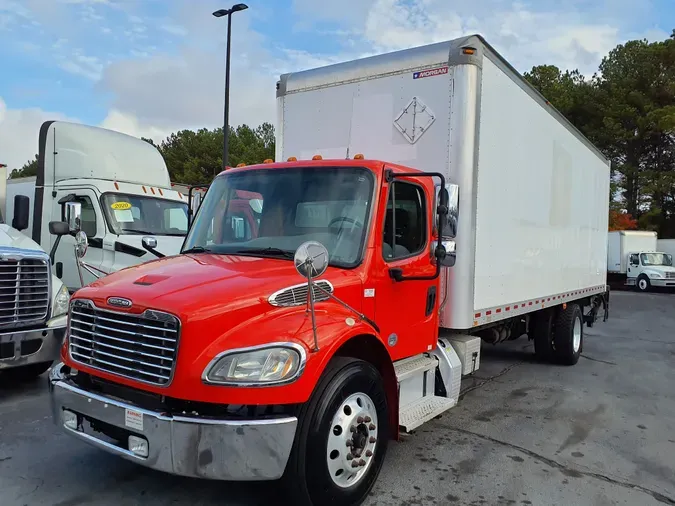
column 422, row 203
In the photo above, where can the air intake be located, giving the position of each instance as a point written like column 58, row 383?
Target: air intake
column 297, row 295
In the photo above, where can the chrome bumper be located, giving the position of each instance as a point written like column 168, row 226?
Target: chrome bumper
column 187, row 446
column 663, row 282
column 49, row 339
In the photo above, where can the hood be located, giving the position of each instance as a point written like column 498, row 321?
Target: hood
column 659, row 268
column 195, row 287
column 12, row 238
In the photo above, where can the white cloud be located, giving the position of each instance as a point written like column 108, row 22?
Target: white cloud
column 19, row 129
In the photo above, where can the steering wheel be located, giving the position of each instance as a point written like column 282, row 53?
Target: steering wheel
column 341, row 219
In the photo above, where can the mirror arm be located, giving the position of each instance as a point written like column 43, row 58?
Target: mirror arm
column 397, row 274
column 347, row 306
column 154, row 251
column 52, row 253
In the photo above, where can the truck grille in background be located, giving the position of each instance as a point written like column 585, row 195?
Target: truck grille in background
column 297, row 295
column 24, row 290
column 670, row 275
column 138, row 346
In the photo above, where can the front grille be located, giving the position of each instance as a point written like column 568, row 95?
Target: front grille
column 24, row 291
column 670, row 275
column 138, row 346
column 297, row 295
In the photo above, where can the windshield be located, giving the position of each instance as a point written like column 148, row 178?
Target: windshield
column 270, row 212
column 133, row 214
column 656, row 259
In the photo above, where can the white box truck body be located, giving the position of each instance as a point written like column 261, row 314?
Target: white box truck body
column 534, row 192
column 636, row 258
column 666, row 246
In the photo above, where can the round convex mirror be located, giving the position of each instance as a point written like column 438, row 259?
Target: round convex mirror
column 311, row 259
column 81, row 244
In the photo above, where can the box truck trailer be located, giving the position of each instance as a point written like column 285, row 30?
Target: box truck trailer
column 422, row 203
column 118, row 190
column 666, row 246
column 635, row 258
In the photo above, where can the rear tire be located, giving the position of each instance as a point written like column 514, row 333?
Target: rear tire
column 643, row 284
column 319, row 468
column 541, row 332
column 27, row 372
column 568, row 338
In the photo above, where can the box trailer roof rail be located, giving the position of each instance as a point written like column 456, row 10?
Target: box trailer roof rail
column 465, row 50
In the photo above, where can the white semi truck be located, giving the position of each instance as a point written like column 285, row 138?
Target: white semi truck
column 635, row 258
column 33, row 301
column 118, row 186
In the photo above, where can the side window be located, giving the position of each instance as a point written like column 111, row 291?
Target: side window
column 405, row 222
column 88, row 217
column 634, row 259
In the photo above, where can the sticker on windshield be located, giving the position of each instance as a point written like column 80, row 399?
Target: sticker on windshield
column 120, row 206
column 123, row 215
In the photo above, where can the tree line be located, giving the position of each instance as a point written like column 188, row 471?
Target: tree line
column 627, row 109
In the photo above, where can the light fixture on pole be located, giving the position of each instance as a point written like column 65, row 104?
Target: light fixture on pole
column 226, row 110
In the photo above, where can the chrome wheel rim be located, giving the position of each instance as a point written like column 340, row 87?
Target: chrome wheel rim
column 576, row 335
column 352, row 440
column 642, row 284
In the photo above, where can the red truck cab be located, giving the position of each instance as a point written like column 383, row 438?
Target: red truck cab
column 211, row 364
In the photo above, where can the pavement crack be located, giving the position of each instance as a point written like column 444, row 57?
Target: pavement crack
column 662, row 498
column 489, row 380
column 5, row 458
column 598, row 360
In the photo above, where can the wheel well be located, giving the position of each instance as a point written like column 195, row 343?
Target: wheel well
column 370, row 349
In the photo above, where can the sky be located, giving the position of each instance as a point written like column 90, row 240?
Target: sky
column 152, row 67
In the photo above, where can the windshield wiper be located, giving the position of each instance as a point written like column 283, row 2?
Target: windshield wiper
column 135, row 231
column 277, row 252
column 196, row 249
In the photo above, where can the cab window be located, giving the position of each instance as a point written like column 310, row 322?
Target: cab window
column 405, row 221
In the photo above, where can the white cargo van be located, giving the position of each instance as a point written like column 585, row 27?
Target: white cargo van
column 122, row 188
column 633, row 256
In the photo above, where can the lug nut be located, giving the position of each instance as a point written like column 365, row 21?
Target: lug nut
column 355, row 464
column 359, row 419
column 362, row 462
column 372, row 439
column 369, row 453
column 372, row 426
column 350, row 456
column 367, row 419
column 352, row 429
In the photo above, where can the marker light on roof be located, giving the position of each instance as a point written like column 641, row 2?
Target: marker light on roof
column 317, row 157
column 241, row 165
column 358, row 156
column 268, row 160
column 292, row 159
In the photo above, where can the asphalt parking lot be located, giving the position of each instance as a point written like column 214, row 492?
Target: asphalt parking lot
column 599, row 433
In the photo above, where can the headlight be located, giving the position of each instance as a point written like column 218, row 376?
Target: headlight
column 61, row 302
column 655, row 275
column 271, row 364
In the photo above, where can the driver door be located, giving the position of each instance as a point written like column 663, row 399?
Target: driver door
column 93, row 225
column 406, row 311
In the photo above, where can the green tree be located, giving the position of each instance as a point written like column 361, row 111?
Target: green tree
column 28, row 169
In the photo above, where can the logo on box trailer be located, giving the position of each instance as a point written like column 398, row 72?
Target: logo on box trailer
column 439, row 71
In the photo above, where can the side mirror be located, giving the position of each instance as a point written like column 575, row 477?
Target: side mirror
column 81, row 244
column 311, row 259
column 150, row 243
column 58, row 228
column 73, row 215
column 449, row 199
column 446, row 255
column 21, row 212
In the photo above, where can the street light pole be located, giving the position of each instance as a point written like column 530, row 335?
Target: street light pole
column 226, row 109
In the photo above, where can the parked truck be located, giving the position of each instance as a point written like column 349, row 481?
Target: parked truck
column 431, row 201
column 634, row 258
column 122, row 194
column 33, row 301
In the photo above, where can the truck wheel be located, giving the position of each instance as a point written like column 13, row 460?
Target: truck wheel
column 28, row 372
column 643, row 284
column 568, row 339
column 541, row 330
column 342, row 437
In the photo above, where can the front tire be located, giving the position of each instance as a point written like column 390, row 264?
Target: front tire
column 342, row 437
column 569, row 335
column 643, row 284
